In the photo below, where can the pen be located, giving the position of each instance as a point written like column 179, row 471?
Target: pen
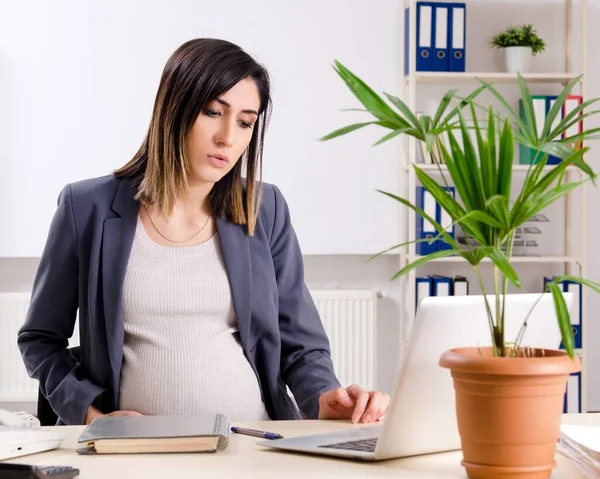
column 254, row 432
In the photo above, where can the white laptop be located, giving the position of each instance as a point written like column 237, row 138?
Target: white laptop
column 421, row 417
column 17, row 440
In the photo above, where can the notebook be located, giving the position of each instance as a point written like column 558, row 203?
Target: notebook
column 155, row 434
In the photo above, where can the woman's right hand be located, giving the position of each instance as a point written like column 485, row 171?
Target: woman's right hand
column 93, row 412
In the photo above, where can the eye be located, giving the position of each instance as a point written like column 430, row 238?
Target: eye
column 245, row 124
column 212, row 113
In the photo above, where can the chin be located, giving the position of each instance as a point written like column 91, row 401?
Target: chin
column 208, row 175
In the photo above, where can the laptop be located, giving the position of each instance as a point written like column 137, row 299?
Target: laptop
column 421, row 417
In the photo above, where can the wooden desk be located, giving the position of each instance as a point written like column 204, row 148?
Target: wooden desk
column 244, row 459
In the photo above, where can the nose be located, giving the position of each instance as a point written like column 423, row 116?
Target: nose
column 225, row 135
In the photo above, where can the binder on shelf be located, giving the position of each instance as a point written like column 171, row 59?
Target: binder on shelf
column 460, row 286
column 540, row 114
column 445, row 220
column 423, row 288
column 572, row 102
column 424, row 228
column 407, row 45
column 441, row 285
column 572, row 402
column 441, row 37
column 526, row 154
column 424, row 36
column 438, row 285
column 575, row 288
column 547, row 279
column 550, row 100
column 457, row 37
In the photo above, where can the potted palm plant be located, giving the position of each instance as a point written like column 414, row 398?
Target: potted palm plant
column 509, row 397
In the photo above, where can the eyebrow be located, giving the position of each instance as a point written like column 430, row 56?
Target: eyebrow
column 224, row 103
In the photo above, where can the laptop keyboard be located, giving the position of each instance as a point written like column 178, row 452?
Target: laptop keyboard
column 364, row 445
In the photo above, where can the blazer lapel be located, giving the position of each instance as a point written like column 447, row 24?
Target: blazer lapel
column 236, row 254
column 117, row 238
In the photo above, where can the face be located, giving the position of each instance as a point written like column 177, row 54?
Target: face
column 222, row 132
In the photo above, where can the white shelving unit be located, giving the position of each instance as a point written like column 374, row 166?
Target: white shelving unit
column 573, row 258
column 496, row 77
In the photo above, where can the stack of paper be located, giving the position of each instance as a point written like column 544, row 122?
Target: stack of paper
column 581, row 444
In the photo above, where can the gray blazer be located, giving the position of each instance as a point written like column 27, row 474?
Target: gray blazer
column 83, row 267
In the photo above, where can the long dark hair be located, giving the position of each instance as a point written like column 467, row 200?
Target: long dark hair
column 196, row 74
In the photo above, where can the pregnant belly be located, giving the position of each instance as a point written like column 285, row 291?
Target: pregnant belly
column 197, row 378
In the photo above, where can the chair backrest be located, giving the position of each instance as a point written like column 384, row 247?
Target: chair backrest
column 45, row 413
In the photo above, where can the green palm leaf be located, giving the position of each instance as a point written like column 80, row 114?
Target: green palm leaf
column 514, row 116
column 345, row 130
column 391, row 135
column 564, row 323
column 498, row 205
column 501, row 261
column 408, row 115
column 479, row 158
column 425, row 259
column 422, row 213
column 441, row 109
column 367, row 96
column 505, row 157
column 558, row 107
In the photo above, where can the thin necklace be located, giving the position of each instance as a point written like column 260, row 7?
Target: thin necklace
column 169, row 239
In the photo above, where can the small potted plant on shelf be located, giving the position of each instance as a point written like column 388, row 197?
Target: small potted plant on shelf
column 520, row 44
column 509, row 396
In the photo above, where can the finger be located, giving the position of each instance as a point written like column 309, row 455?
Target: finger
column 361, row 399
column 338, row 396
column 373, row 406
column 383, row 408
column 124, row 413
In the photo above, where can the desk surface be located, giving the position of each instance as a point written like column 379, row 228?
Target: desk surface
column 243, row 458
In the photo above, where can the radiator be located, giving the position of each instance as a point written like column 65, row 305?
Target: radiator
column 350, row 320
column 15, row 384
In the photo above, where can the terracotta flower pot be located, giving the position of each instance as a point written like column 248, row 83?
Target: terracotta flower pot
column 509, row 410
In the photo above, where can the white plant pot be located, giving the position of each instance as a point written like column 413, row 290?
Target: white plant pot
column 518, row 59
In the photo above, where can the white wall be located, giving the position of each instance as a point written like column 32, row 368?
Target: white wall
column 353, row 270
column 79, row 80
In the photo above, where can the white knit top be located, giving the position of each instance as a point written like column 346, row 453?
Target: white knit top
column 182, row 353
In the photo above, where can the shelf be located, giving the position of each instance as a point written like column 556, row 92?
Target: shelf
column 444, row 77
column 514, row 259
column 516, row 168
column 422, row 91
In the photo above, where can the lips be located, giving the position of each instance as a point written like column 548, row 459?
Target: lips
column 218, row 160
column 219, row 156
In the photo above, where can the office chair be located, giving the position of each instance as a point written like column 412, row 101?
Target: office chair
column 45, row 413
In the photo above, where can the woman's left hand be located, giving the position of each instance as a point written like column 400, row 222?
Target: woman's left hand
column 353, row 402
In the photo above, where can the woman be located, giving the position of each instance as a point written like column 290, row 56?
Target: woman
column 188, row 279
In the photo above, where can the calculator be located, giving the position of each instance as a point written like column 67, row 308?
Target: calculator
column 26, row 471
